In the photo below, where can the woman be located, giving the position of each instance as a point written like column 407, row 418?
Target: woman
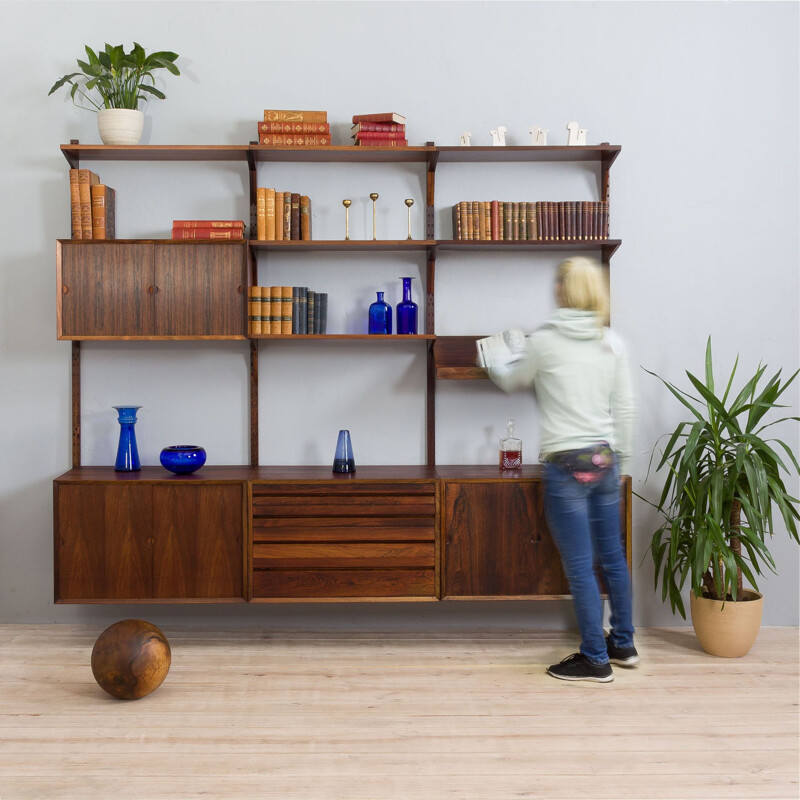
column 579, row 372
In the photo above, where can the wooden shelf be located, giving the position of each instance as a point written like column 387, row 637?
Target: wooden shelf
column 75, row 153
column 607, row 246
column 600, row 153
column 346, row 154
column 342, row 244
column 354, row 337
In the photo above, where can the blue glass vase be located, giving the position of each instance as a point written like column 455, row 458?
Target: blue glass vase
column 343, row 460
column 127, row 451
column 183, row 459
column 380, row 316
column 406, row 310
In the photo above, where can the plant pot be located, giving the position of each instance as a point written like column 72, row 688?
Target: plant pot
column 730, row 629
column 120, row 125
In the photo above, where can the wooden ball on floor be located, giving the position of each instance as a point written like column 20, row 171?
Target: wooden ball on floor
column 130, row 659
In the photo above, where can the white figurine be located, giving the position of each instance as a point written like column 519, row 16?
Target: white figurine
column 575, row 134
column 464, row 139
column 538, row 136
column 499, row 137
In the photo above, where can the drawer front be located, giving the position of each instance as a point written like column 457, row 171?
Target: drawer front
column 348, row 555
column 347, row 505
column 344, row 529
column 343, row 584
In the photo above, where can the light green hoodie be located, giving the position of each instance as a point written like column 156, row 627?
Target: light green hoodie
column 579, row 372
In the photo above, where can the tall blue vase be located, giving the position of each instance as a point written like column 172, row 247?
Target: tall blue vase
column 127, row 451
column 380, row 316
column 406, row 310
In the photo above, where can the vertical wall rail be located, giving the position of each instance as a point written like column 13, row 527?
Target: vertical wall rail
column 430, row 307
column 254, row 402
column 76, row 404
column 433, row 158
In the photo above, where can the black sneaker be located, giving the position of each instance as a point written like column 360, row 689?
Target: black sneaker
column 624, row 656
column 578, row 668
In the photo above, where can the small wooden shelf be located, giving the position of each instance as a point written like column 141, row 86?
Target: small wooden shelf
column 74, row 153
column 607, row 246
column 345, row 153
column 605, row 153
column 359, row 337
column 342, row 244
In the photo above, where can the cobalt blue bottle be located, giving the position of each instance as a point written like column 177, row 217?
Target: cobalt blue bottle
column 380, row 316
column 406, row 310
column 127, row 451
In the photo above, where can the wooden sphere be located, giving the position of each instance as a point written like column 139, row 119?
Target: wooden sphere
column 130, row 659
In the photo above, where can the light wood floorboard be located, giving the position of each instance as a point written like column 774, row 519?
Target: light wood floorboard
column 406, row 715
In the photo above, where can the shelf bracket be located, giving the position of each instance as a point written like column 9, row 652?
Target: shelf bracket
column 432, row 161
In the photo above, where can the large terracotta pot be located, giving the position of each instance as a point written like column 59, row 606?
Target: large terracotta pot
column 120, row 125
column 727, row 629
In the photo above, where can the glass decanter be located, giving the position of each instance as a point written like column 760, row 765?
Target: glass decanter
column 510, row 449
column 406, row 310
column 380, row 316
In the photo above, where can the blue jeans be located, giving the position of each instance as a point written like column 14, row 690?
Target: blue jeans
column 584, row 521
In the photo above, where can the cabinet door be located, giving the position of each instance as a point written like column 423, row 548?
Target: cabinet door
column 103, row 542
column 201, row 290
column 198, row 535
column 497, row 542
column 105, row 290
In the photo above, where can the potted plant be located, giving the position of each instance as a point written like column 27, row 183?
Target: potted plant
column 724, row 485
column 113, row 82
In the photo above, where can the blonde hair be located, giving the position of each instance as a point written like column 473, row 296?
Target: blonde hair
column 582, row 284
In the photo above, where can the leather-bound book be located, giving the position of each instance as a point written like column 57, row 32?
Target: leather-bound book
column 261, row 214
column 75, row 204
column 277, row 310
column 294, row 127
column 283, row 115
column 386, row 117
column 86, row 179
column 103, row 211
column 270, row 216
column 305, row 218
column 286, row 309
column 279, row 216
column 287, row 215
column 295, row 215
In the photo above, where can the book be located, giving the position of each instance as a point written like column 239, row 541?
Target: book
column 294, row 127
column 282, row 115
column 311, row 306
column 208, row 223
column 75, row 204
column 296, row 310
column 269, row 216
column 254, row 310
column 279, row 216
column 86, row 179
column 386, row 117
column 266, row 309
column 302, row 310
column 368, row 135
column 103, row 211
column 305, row 218
column 276, row 307
column 287, row 216
column 207, row 233
column 501, row 350
column 294, row 139
column 286, row 310
column 261, row 214
column 381, row 143
column 377, row 127
column 295, row 216
column 322, row 312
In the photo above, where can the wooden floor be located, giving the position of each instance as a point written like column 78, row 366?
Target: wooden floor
column 407, row 715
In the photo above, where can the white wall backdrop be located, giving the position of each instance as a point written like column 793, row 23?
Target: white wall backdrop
column 703, row 98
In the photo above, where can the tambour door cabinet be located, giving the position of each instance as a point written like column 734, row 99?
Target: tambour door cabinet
column 368, row 535
column 494, row 535
column 150, row 535
column 135, row 289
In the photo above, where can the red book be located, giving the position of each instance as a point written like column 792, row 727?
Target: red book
column 381, row 143
column 294, row 127
column 495, row 213
column 294, row 139
column 366, row 135
column 387, row 117
column 207, row 233
column 207, row 223
column 377, row 126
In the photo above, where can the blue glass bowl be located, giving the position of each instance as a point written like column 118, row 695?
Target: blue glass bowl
column 183, row 458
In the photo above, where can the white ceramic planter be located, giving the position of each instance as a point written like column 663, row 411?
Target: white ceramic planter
column 120, row 125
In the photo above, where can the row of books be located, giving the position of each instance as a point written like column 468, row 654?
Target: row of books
column 276, row 310
column 282, row 215
column 92, row 206
column 541, row 221
column 208, row 229
column 287, row 128
column 379, row 130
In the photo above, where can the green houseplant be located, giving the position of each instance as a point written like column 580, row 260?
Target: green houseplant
column 724, row 484
column 113, row 83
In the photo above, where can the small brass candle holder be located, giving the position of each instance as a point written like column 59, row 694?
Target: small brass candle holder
column 373, row 196
column 409, row 203
column 347, row 204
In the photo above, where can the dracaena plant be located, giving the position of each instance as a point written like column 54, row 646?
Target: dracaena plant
column 724, row 484
column 119, row 79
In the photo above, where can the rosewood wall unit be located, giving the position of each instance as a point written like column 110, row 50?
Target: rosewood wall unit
column 271, row 534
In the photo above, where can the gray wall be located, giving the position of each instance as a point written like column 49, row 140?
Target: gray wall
column 703, row 98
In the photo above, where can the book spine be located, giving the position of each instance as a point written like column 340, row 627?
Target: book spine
column 276, row 323
column 523, row 221
column 75, row 204
column 293, row 140
column 254, row 310
column 302, row 311
column 305, row 218
column 287, row 216
column 266, row 309
column 295, row 216
column 279, row 216
column 208, row 223
column 386, row 117
column 283, row 115
column 378, row 127
column 481, row 222
column 286, row 309
column 296, row 310
column 102, row 211
column 207, row 233
column 269, row 215
column 507, row 220
column 311, row 309
column 261, row 214
column 86, row 179
column 561, row 222
column 494, row 212
column 381, row 142
column 322, row 311
column 533, row 234
column 294, row 127
column 515, row 221
column 366, row 135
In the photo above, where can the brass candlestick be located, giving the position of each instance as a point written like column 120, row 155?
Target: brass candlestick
column 409, row 203
column 373, row 196
column 347, row 204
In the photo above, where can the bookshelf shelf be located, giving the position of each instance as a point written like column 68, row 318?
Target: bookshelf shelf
column 353, row 337
column 367, row 245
